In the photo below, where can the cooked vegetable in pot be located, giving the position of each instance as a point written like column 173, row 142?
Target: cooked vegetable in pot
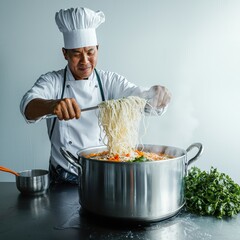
column 211, row 193
column 134, row 156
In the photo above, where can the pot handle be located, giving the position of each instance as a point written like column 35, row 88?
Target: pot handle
column 200, row 150
column 70, row 158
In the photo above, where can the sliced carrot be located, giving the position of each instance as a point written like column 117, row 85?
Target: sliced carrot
column 139, row 152
column 115, row 158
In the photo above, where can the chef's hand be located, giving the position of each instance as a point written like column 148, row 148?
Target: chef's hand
column 66, row 109
column 158, row 98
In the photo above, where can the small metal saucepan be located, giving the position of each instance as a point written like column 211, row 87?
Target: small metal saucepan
column 30, row 182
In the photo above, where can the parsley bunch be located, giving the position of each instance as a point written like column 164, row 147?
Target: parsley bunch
column 211, row 193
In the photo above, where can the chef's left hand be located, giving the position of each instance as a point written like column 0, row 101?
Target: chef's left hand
column 158, row 98
column 161, row 96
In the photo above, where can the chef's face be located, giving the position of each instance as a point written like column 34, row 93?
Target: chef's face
column 81, row 61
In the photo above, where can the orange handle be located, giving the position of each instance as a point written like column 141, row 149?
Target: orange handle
column 4, row 169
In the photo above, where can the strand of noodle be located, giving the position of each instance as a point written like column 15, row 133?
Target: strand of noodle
column 120, row 120
column 151, row 112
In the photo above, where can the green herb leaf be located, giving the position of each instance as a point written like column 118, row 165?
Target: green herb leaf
column 211, row 193
column 140, row 159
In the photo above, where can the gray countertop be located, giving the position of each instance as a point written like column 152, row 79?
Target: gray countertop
column 58, row 215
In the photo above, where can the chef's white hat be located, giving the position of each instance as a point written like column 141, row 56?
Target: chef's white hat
column 78, row 26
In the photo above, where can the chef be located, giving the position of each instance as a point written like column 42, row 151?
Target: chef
column 79, row 85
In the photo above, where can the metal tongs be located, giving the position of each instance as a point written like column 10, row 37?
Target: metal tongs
column 82, row 110
column 148, row 109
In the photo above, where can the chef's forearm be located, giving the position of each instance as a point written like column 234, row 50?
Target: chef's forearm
column 38, row 108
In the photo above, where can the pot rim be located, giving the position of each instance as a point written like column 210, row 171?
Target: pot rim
column 135, row 163
column 42, row 172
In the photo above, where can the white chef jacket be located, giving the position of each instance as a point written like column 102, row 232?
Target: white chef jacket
column 77, row 134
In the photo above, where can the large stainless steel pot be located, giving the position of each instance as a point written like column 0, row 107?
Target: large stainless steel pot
column 139, row 191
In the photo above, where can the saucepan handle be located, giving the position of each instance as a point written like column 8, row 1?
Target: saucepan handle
column 70, row 158
column 198, row 154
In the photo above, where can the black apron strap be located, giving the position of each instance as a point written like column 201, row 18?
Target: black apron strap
column 63, row 89
column 100, row 85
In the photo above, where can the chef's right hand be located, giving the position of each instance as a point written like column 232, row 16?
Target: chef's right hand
column 66, row 109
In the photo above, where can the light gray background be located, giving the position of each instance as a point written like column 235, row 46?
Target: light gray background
column 192, row 47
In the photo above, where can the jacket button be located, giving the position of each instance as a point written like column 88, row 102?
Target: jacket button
column 68, row 86
column 70, row 142
column 96, row 86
